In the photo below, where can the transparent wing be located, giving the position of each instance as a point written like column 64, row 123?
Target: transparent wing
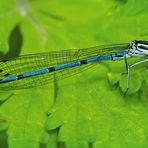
column 29, row 63
column 101, row 50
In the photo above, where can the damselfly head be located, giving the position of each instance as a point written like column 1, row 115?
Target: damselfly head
column 138, row 48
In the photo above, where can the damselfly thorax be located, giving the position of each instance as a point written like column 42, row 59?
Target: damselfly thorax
column 138, row 48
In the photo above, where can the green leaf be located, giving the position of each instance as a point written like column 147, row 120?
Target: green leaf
column 134, row 85
column 86, row 110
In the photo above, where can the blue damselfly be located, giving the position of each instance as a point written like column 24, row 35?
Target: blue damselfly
column 36, row 69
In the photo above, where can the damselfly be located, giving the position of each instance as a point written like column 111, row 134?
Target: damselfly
column 36, row 69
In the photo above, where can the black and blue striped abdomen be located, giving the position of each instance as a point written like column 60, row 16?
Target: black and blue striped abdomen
column 33, row 70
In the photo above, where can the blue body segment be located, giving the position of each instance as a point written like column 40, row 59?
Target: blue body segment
column 60, row 67
column 9, row 79
column 103, row 58
column 92, row 60
column 118, row 56
column 36, row 73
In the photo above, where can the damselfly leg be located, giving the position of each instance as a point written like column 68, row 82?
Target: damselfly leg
column 126, row 66
column 129, row 71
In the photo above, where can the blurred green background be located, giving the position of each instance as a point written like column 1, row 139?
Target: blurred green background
column 88, row 110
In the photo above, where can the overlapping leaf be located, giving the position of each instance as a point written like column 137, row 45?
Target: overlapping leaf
column 89, row 109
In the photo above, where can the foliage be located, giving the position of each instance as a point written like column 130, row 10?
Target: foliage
column 89, row 109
